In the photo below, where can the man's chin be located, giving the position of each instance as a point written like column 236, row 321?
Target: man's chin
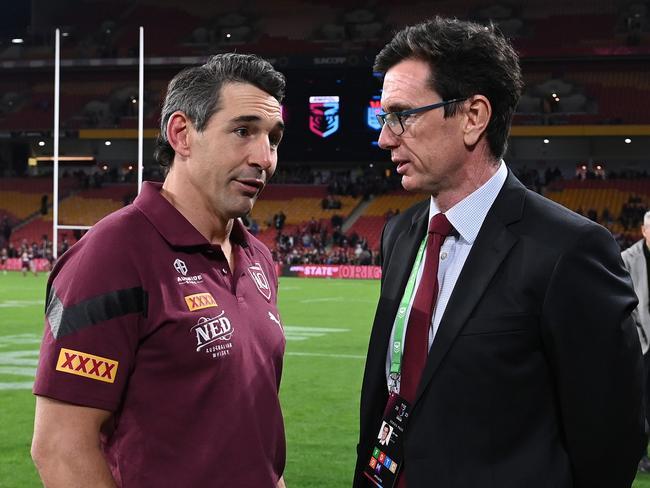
column 411, row 185
column 244, row 207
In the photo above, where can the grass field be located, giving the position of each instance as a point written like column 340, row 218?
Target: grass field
column 327, row 323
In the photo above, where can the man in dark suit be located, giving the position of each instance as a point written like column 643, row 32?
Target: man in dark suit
column 531, row 372
column 636, row 259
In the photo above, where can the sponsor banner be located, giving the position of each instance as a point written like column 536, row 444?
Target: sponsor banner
column 333, row 271
column 15, row 264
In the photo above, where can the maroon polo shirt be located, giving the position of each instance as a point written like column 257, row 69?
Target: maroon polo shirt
column 145, row 319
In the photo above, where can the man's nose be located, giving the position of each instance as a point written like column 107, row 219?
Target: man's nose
column 387, row 139
column 262, row 155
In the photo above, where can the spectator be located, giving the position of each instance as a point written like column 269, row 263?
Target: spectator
column 44, row 204
column 6, row 230
column 278, row 220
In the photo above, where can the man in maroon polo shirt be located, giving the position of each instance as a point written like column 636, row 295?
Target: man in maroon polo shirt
column 162, row 353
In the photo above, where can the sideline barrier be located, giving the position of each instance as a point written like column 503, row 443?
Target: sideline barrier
column 15, row 264
column 332, row 271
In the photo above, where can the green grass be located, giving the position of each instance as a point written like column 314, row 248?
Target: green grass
column 327, row 325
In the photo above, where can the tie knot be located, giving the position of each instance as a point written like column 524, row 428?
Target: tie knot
column 440, row 225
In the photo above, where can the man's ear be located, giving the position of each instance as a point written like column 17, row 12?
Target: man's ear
column 477, row 119
column 178, row 128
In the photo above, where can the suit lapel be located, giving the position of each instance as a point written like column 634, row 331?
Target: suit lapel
column 403, row 254
column 492, row 245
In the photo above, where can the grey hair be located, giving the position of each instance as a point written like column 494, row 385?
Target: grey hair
column 196, row 92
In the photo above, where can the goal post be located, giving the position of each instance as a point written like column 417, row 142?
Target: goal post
column 55, row 177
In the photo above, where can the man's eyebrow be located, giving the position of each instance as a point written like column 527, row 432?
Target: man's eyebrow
column 246, row 118
column 254, row 118
column 398, row 107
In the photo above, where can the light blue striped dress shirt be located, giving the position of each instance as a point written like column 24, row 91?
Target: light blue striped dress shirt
column 467, row 217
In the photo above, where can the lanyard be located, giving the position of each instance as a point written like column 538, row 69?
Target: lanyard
column 400, row 318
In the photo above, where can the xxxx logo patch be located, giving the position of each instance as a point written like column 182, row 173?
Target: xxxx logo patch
column 87, row 365
column 200, row 301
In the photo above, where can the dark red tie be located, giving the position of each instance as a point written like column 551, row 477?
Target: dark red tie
column 416, row 348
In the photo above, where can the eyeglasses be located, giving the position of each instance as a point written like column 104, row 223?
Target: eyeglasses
column 395, row 120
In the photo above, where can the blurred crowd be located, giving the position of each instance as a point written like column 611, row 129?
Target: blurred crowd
column 319, row 242
column 323, row 241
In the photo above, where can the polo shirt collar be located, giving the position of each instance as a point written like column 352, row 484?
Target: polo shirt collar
column 171, row 224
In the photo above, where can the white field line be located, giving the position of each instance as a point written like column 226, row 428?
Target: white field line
column 28, row 385
column 19, row 339
column 324, row 299
column 299, row 329
column 18, row 363
column 23, row 363
column 19, row 358
column 11, row 370
column 337, row 299
column 324, row 355
column 297, row 333
column 20, row 303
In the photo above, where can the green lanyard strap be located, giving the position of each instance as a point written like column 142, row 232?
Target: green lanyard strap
column 400, row 319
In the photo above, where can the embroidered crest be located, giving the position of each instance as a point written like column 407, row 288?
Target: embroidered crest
column 259, row 278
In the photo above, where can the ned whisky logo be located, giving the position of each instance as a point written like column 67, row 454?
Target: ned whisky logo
column 87, row 365
column 208, row 331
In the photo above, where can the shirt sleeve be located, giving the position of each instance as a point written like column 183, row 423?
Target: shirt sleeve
column 95, row 305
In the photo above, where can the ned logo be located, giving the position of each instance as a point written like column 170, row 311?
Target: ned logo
column 259, row 278
column 209, row 330
column 324, row 115
column 180, row 267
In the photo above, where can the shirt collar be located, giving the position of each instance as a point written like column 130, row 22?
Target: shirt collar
column 171, row 224
column 467, row 216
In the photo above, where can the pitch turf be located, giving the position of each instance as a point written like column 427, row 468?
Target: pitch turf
column 327, row 323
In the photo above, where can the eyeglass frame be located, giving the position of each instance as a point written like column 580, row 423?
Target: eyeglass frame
column 382, row 117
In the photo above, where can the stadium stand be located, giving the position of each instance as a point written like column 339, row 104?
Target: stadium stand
column 595, row 92
column 589, row 55
column 300, row 204
column 370, row 224
column 76, row 207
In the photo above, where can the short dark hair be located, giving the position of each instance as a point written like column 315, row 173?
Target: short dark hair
column 196, row 92
column 465, row 59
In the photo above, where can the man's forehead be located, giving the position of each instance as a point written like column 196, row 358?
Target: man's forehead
column 407, row 80
column 240, row 98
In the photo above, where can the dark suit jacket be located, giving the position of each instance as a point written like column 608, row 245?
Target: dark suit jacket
column 534, row 379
